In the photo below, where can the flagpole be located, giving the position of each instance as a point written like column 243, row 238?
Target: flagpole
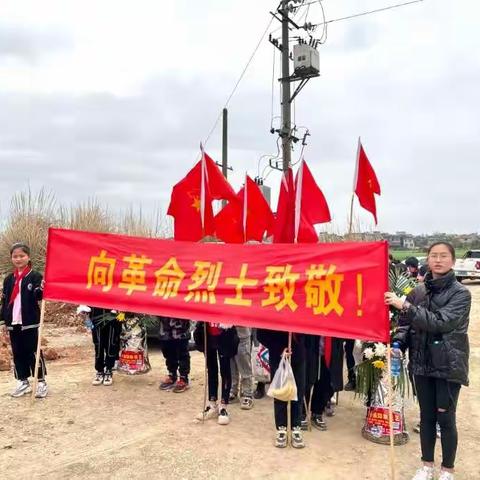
column 351, row 215
column 38, row 352
column 390, row 413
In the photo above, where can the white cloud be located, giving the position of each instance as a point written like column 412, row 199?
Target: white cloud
column 112, row 98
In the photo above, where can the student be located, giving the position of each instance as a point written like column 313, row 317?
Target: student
column 241, row 366
column 22, row 290
column 106, row 331
column 222, row 345
column 277, row 343
column 174, row 337
column 435, row 329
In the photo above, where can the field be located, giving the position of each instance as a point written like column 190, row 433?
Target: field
column 132, row 430
column 403, row 254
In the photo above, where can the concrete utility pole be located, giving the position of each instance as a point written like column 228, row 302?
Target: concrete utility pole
column 286, row 105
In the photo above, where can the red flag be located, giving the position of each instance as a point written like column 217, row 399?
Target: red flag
column 191, row 200
column 246, row 219
column 284, row 229
column 310, row 206
column 366, row 183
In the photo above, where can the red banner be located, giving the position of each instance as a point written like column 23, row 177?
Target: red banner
column 334, row 289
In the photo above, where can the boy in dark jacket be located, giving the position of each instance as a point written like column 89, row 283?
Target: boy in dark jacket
column 174, row 337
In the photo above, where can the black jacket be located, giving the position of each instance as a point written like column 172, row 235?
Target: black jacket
column 312, row 347
column 174, row 328
column 31, row 292
column 227, row 342
column 434, row 327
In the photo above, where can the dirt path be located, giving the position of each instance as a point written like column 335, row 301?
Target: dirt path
column 132, row 430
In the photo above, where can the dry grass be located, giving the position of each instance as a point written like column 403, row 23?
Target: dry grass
column 31, row 215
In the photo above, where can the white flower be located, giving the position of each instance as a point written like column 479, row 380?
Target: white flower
column 368, row 353
column 380, row 349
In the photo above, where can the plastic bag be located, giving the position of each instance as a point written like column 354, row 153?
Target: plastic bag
column 133, row 348
column 261, row 367
column 283, row 386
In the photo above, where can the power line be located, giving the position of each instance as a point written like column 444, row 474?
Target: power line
column 239, row 80
column 361, row 14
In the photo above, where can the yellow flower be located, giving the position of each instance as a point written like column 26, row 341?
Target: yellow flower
column 121, row 317
column 378, row 364
column 407, row 290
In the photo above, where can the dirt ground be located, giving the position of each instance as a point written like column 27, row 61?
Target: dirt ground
column 133, row 430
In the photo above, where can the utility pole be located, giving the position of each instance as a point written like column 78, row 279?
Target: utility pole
column 225, row 143
column 286, row 105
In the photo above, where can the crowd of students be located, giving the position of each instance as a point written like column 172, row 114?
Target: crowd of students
column 433, row 328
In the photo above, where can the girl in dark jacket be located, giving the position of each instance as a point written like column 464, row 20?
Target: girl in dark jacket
column 222, row 346
column 434, row 327
column 22, row 290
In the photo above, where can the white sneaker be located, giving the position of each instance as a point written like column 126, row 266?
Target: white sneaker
column 444, row 475
column 223, row 418
column 424, row 473
column 210, row 412
column 22, row 388
column 42, row 389
column 98, row 379
column 107, row 379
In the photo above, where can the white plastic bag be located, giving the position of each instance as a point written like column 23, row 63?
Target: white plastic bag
column 283, row 386
column 261, row 367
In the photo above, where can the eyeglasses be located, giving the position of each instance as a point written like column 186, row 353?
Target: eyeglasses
column 440, row 256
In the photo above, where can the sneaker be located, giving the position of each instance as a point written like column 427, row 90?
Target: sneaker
column 330, row 409
column 42, row 389
column 108, row 379
column 98, row 379
column 416, row 428
column 223, row 418
column 281, row 437
column 246, row 402
column 439, row 434
column 210, row 412
column 297, row 438
column 350, row 386
column 22, row 388
column 304, row 424
column 444, row 475
column 319, row 422
column 168, row 382
column 232, row 398
column 260, row 391
column 424, row 473
column 180, row 386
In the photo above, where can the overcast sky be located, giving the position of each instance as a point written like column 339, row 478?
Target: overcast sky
column 110, row 98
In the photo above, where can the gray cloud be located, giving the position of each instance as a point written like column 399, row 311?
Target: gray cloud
column 29, row 44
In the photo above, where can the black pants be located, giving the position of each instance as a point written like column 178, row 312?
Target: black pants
column 322, row 390
column 434, row 394
column 212, row 371
column 299, row 371
column 106, row 338
column 177, row 357
column 349, row 344
column 24, row 349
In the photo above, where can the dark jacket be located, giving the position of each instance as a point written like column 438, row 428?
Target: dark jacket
column 434, row 327
column 101, row 316
column 174, row 328
column 31, row 293
column 226, row 343
column 312, row 347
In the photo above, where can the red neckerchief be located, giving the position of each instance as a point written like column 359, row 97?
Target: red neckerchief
column 18, row 279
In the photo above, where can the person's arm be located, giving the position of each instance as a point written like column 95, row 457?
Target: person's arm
column 443, row 320
column 38, row 286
